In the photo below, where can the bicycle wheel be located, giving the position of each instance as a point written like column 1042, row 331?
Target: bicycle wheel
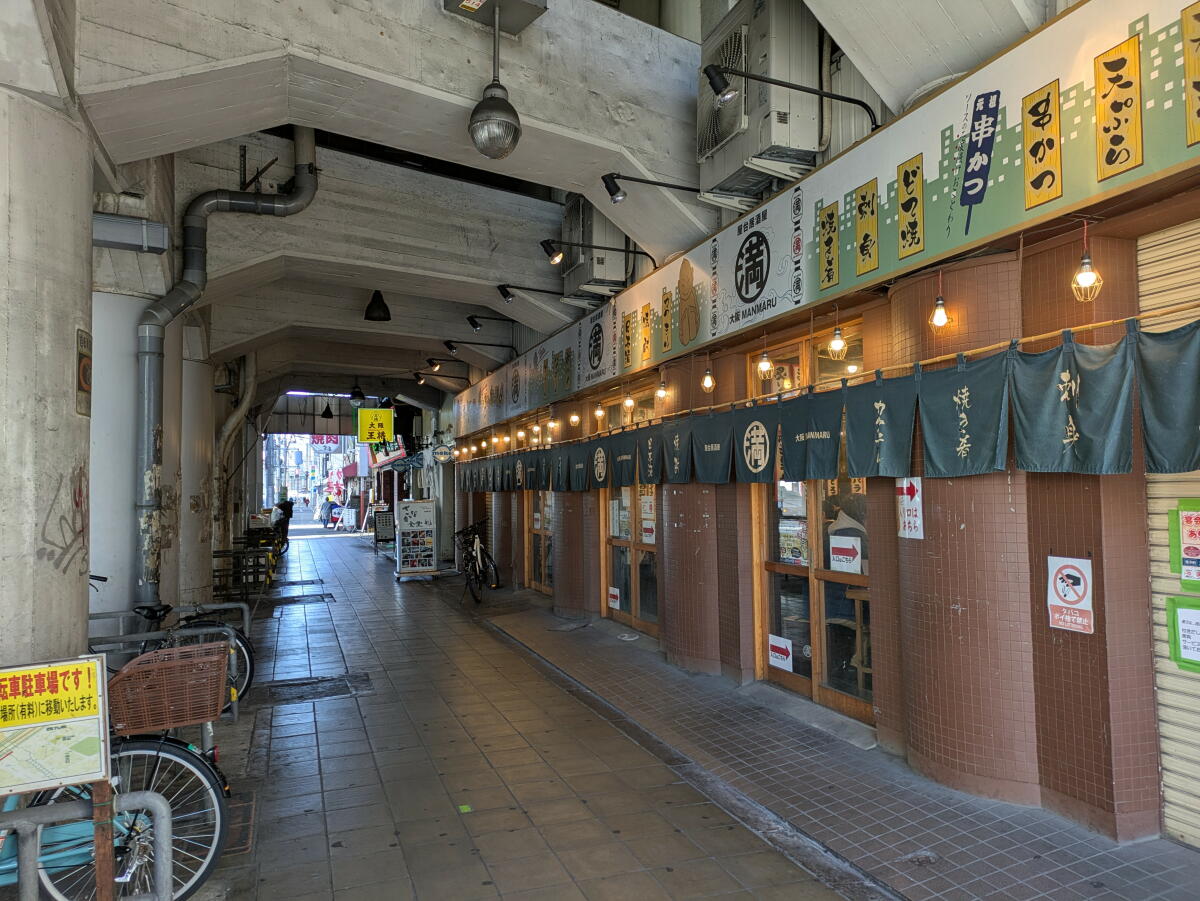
column 491, row 572
column 475, row 582
column 199, row 822
column 243, row 655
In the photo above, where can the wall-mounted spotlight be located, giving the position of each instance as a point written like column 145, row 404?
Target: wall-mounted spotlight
column 506, row 291
column 725, row 92
column 420, row 378
column 474, row 323
column 495, row 127
column 452, row 347
column 617, row 194
column 377, row 309
column 434, row 365
column 553, row 250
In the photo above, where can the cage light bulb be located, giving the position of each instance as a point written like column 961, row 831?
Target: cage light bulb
column 520, row 433
column 708, row 383
column 661, row 393
column 852, row 368
column 536, row 428
column 838, row 342
column 574, row 419
column 939, row 317
column 599, row 412
column 456, row 452
column 474, row 447
column 627, row 403
column 764, row 365
column 1086, row 276
column 507, row 439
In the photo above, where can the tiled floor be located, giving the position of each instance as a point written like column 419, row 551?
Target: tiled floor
column 464, row 772
column 922, row 839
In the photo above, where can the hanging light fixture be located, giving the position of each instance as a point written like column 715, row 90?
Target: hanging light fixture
column 377, row 309
column 536, row 440
column 1086, row 283
column 661, row 393
column 357, row 398
column 764, row 362
column 574, row 419
column 628, row 402
column 852, row 368
column 474, row 447
column 456, row 452
column 836, row 349
column 599, row 411
column 520, row 434
column 507, row 439
column 708, row 383
column 495, row 127
column 939, row 317
column 327, row 413
column 536, row 428
column 552, row 423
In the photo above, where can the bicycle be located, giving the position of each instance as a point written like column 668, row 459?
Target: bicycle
column 153, row 616
column 194, row 786
column 478, row 566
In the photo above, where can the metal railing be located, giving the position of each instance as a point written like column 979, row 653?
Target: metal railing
column 27, row 823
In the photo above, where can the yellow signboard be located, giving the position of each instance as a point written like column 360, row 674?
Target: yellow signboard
column 827, row 239
column 375, row 425
column 1119, row 109
column 667, row 297
column 53, row 725
column 866, row 227
column 1190, row 18
column 910, row 206
column 1040, row 115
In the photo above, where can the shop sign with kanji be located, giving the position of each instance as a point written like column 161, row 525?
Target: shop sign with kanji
column 53, row 725
column 375, row 425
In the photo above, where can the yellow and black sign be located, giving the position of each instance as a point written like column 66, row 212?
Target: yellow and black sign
column 827, row 239
column 375, row 425
column 866, row 227
column 1190, row 19
column 44, row 694
column 910, row 206
column 1040, row 127
column 1119, row 109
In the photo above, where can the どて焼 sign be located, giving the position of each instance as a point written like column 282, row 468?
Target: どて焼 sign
column 1069, row 594
column 375, row 425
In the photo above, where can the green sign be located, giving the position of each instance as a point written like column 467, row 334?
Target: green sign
column 1183, row 632
column 1183, row 533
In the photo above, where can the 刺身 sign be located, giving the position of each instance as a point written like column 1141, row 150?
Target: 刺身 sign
column 375, row 425
column 53, row 725
column 1069, row 594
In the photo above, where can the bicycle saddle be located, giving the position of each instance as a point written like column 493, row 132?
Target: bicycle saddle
column 153, row 612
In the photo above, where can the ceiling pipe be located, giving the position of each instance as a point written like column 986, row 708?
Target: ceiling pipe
column 152, row 329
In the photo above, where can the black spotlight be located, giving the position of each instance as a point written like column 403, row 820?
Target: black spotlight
column 434, row 365
column 505, row 293
column 377, row 310
column 474, row 323
column 551, row 251
column 614, row 190
column 451, row 346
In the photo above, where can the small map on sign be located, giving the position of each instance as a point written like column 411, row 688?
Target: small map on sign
column 55, row 752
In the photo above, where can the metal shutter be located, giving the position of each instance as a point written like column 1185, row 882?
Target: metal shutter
column 1166, row 276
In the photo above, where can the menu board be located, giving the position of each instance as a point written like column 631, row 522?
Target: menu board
column 385, row 526
column 416, row 541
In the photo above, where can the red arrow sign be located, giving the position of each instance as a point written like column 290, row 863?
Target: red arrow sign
column 909, row 490
column 851, row 552
column 780, row 651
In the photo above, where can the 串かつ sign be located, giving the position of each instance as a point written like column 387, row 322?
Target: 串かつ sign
column 1069, row 594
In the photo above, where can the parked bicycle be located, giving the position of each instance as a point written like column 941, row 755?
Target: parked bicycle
column 478, row 566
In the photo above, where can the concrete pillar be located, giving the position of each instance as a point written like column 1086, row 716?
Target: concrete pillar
column 169, row 475
column 195, row 489
column 45, row 309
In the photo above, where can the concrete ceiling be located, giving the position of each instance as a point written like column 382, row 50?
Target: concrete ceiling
column 903, row 45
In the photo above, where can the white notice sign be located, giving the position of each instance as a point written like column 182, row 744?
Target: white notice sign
column 614, row 597
column 909, row 508
column 845, row 553
column 1188, row 620
column 1069, row 594
column 779, row 652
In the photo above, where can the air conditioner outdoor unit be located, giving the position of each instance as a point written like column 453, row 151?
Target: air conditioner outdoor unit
column 593, row 271
column 779, row 39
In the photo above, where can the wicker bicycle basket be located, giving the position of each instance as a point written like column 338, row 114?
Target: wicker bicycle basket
column 169, row 688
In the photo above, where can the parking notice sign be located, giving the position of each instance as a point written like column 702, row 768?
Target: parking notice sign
column 375, row 425
column 1069, row 594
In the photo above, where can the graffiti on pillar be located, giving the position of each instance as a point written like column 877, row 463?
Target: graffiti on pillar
column 63, row 536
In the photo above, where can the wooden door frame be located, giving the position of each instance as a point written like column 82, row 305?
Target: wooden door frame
column 635, row 548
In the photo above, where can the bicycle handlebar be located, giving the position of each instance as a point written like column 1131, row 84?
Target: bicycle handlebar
column 92, row 577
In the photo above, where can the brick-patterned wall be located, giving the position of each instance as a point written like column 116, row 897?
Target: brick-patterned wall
column 690, row 632
column 735, row 581
column 963, row 590
column 499, row 533
column 589, row 560
column 462, row 503
column 516, row 527
column 570, row 589
column 1096, row 730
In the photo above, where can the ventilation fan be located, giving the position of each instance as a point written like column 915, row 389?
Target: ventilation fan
column 715, row 125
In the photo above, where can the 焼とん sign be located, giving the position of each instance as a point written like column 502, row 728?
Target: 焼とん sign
column 53, row 725
column 375, row 425
column 1069, row 594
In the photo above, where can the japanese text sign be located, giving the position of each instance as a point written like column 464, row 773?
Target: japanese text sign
column 375, row 425
column 981, row 137
column 910, row 203
column 53, row 725
column 866, row 227
column 1040, row 115
column 1183, row 632
column 827, row 229
column 1119, row 109
column 1069, row 594
column 1190, row 20
column 909, row 508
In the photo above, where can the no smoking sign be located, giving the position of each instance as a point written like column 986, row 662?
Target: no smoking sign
column 1069, row 594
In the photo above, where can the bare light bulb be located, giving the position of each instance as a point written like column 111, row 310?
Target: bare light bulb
column 536, row 429
column 661, row 393
column 456, row 452
column 852, row 368
column 507, row 439
column 474, row 447
column 627, row 403
column 939, row 317
column 599, row 412
column 536, row 439
column 552, row 424
column 708, row 383
column 838, row 342
column 764, row 365
column 574, row 419
column 484, row 442
column 521, row 433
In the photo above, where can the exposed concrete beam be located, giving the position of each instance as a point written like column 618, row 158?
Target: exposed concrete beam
column 426, row 397
column 597, row 91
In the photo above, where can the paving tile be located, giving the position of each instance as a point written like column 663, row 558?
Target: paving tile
column 696, row 878
column 374, row 867
column 760, row 868
column 579, row 833
column 522, row 874
column 485, row 821
column 625, row 887
column 509, row 844
column 662, row 850
column 594, row 861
